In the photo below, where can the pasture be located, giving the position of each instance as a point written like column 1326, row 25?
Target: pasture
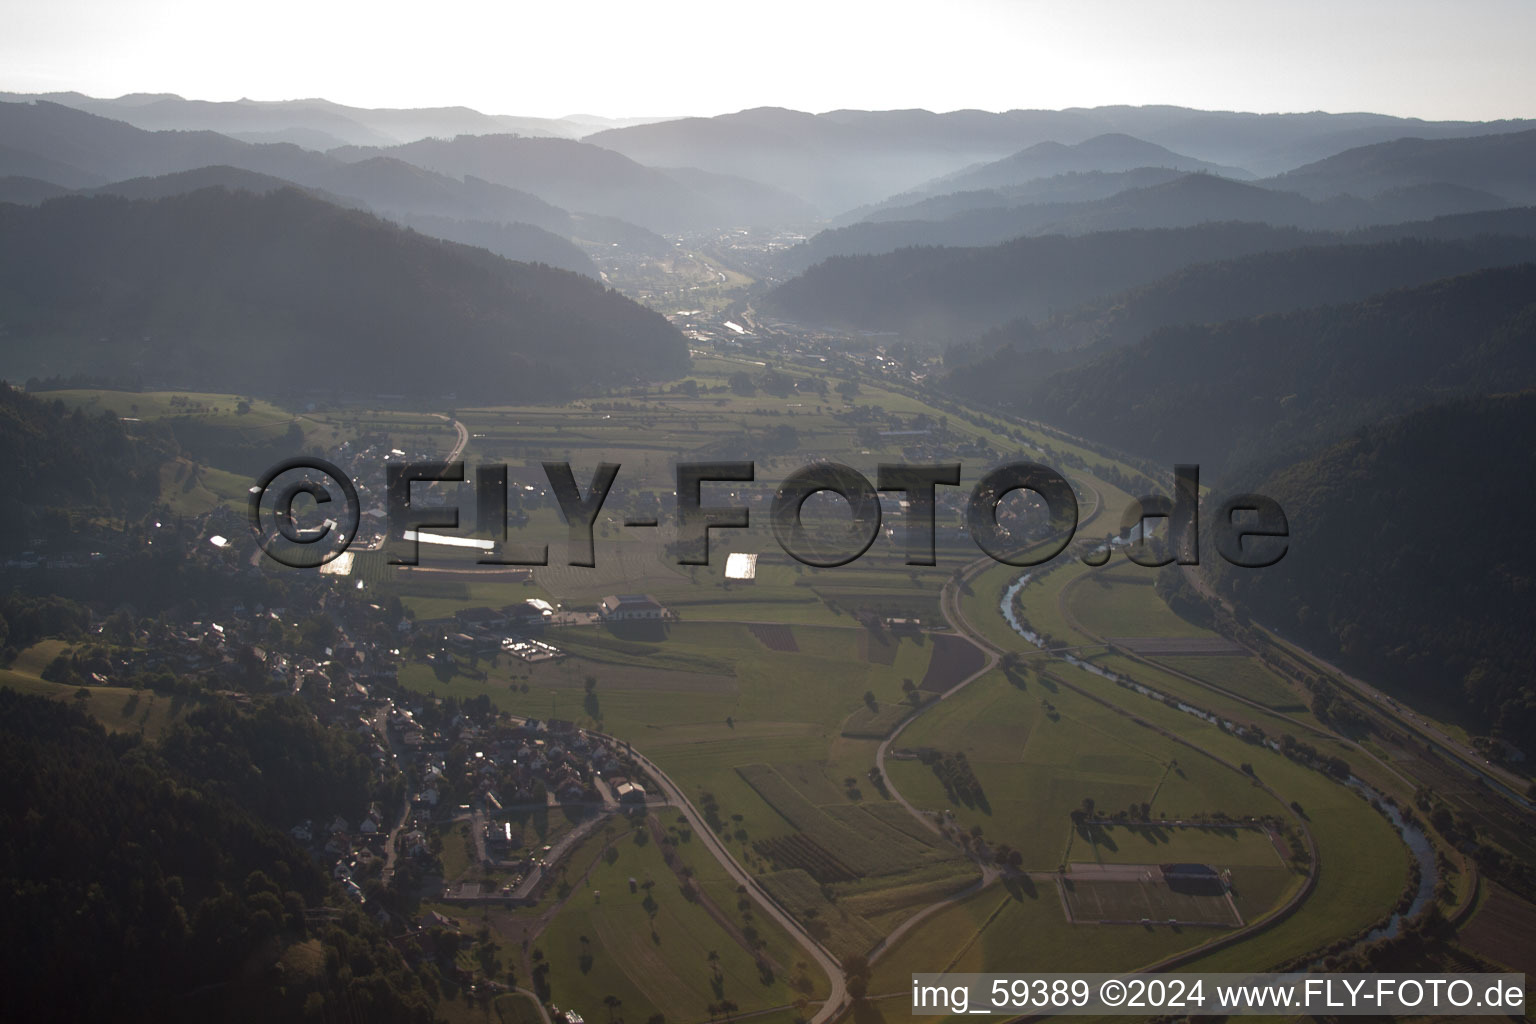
column 1501, row 928
column 118, row 708
column 834, row 841
column 1019, row 930
column 656, row 949
column 1121, row 601
column 1244, row 676
column 1156, row 842
column 1039, row 752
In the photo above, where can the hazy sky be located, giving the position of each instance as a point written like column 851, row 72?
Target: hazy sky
column 1425, row 58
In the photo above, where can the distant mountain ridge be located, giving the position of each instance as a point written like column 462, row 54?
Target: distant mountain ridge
column 1503, row 164
column 942, row 292
column 514, row 239
column 1283, row 281
column 844, row 159
column 1182, row 201
column 317, row 123
column 766, row 167
column 1110, row 152
column 518, row 179
column 83, row 151
column 87, row 150
column 1068, row 187
column 592, row 179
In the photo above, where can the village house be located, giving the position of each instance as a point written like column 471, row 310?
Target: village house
column 631, row 607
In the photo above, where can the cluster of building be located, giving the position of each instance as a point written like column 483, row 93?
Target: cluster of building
column 512, row 629
column 492, row 770
column 351, row 851
column 339, row 652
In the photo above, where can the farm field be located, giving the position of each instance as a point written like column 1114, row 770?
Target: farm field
column 747, row 730
column 1120, row 601
column 1500, row 930
column 834, row 841
column 1300, row 723
column 1023, row 930
column 1246, row 677
column 788, row 958
column 189, row 489
column 214, row 409
column 1364, row 865
column 1204, row 695
column 1124, row 903
column 679, row 933
column 228, row 440
column 876, row 723
column 1260, row 876
column 1039, row 752
column 607, row 941
column 955, row 659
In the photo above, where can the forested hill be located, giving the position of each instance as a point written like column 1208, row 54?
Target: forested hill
column 1269, row 282
column 1409, row 560
column 1246, row 390
column 133, row 893
column 945, row 290
column 57, row 458
column 286, row 294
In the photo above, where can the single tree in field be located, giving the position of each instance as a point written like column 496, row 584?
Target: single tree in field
column 612, row 1002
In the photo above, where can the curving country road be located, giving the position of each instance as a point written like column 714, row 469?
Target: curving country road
column 838, row 996
column 953, row 612
column 950, row 607
column 463, row 436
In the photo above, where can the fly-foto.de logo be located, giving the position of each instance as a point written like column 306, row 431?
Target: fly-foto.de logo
column 1249, row 530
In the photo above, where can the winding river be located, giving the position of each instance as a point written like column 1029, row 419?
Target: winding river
column 1412, row 835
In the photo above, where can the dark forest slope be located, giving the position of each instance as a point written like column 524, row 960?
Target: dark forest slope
column 284, row 293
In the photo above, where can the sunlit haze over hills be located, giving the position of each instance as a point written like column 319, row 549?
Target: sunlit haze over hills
column 1415, row 58
column 704, row 512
